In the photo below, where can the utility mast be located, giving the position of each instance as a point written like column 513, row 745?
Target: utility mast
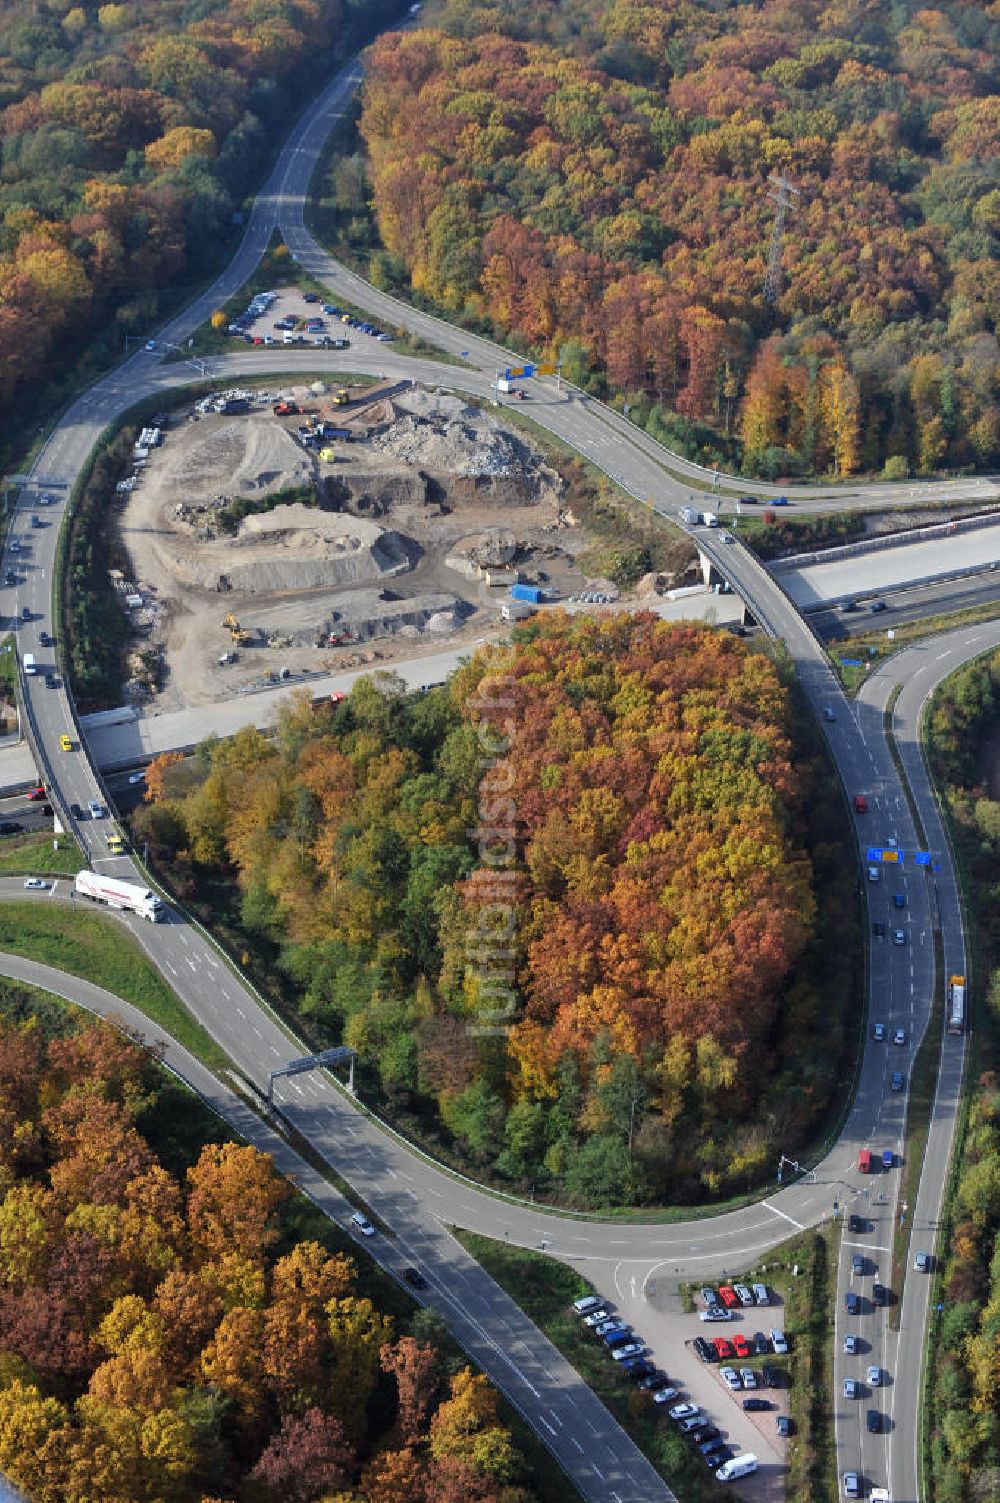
column 783, row 194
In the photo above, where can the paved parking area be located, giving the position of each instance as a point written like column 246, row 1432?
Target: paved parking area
column 655, row 1311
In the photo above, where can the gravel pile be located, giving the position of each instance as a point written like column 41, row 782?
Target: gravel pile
column 444, row 435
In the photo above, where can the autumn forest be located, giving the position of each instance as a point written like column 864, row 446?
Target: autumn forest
column 563, row 907
column 166, row 1333
column 591, row 179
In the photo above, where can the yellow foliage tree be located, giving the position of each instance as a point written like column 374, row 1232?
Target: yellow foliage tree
column 177, row 145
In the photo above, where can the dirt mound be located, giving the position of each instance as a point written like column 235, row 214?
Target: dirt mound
column 237, row 457
column 445, row 435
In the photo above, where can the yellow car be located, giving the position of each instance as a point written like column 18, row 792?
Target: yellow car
column 65, row 743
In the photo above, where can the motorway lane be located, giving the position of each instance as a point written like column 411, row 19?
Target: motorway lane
column 637, row 463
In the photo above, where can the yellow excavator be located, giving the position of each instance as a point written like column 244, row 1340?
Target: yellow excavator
column 236, row 632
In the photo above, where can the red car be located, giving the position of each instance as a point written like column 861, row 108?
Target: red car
column 722, row 1347
column 34, row 794
column 741, row 1346
column 728, row 1297
column 860, row 804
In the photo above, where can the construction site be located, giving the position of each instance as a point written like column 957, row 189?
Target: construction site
column 282, row 534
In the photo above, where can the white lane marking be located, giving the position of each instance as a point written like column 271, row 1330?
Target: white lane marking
column 768, row 1206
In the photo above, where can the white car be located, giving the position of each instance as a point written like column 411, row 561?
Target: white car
column 626, row 1350
column 716, row 1312
column 36, row 884
column 664, row 1395
column 726, row 537
column 730, row 1377
column 875, row 1376
column 682, row 1411
column 779, row 1343
column 363, row 1225
column 137, row 777
column 743, row 1294
column 96, row 809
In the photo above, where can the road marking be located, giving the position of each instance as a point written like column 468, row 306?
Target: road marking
column 865, row 1246
column 768, row 1206
column 577, row 1444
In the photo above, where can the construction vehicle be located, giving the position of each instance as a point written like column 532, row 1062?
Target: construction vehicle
column 230, row 621
column 341, row 398
column 285, row 409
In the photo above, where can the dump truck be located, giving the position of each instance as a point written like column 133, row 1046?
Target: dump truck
column 121, row 895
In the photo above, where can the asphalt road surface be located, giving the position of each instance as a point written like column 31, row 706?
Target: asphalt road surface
column 414, row 1198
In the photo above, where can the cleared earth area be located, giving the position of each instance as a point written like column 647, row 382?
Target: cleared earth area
column 304, row 530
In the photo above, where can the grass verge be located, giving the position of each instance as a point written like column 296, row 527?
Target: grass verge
column 100, row 951
column 875, row 647
column 35, row 856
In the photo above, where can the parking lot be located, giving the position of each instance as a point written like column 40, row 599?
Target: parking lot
column 292, row 317
column 668, row 1333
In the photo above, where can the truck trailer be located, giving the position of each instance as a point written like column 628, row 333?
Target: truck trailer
column 117, row 894
column 530, row 594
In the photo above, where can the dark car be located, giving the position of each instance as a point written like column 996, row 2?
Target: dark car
column 76, row 811
column 773, row 1377
column 753, row 1405
column 748, row 500
column 878, row 929
column 25, row 613
column 880, row 1294
column 783, row 1424
column 705, row 1352
column 855, row 1224
column 310, row 297
column 857, row 1264
column 715, row 1458
column 899, row 900
column 873, row 1420
column 897, row 1080
column 852, row 1304
column 10, row 827
column 877, row 607
column 414, row 1278
column 761, row 1344
column 641, row 1370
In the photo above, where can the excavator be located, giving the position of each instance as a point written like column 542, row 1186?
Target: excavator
column 236, row 631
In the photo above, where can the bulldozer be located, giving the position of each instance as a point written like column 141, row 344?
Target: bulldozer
column 341, row 398
column 230, row 622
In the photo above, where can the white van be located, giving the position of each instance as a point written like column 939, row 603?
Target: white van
column 289, row 337
column 739, row 1466
column 760, row 1294
column 29, row 662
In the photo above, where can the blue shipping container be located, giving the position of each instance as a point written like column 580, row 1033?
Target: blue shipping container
column 528, row 592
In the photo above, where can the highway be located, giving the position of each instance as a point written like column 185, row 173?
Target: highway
column 413, row 1197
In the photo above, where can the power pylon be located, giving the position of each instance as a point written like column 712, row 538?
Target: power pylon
column 783, row 194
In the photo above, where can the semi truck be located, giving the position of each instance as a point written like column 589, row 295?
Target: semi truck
column 117, row 894
column 709, row 519
column 689, row 515
column 956, row 1004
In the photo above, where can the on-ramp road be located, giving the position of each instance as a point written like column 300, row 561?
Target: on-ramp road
column 414, row 1197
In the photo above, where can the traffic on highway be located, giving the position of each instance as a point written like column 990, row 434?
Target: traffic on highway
column 878, row 1358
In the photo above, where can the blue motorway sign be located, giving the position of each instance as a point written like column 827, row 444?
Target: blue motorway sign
column 921, row 858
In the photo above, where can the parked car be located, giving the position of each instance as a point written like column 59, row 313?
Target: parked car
column 740, row 1345
column 709, row 1298
column 728, row 1296
column 743, row 1294
column 706, row 1352
column 783, row 1424
column 749, row 1377
column 754, row 1405
column 730, row 1377
column 627, row 1349
column 682, row 1411
column 664, row 1395
column 716, row 1312
column 774, row 1377
column 779, row 1342
column 761, row 1344
column 596, row 1317
column 723, row 1349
